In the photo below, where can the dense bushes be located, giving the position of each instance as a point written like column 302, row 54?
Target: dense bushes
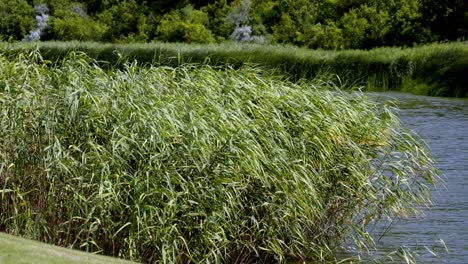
column 75, row 27
column 195, row 164
column 16, row 19
column 187, row 25
column 308, row 23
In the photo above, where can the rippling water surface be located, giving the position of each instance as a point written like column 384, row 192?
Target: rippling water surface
column 443, row 123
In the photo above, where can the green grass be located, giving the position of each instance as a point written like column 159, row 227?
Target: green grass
column 198, row 163
column 436, row 69
column 23, row 251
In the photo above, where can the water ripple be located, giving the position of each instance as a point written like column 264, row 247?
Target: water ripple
column 443, row 123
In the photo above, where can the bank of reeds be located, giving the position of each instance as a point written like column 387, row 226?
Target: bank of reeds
column 195, row 164
column 437, row 69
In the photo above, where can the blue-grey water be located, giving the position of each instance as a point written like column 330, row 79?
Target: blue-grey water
column 440, row 235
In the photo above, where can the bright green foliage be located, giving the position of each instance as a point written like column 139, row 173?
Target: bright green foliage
column 440, row 68
column 78, row 28
column 368, row 24
column 405, row 27
column 54, row 5
column 354, row 27
column 217, row 14
column 70, row 25
column 124, row 23
column 365, row 27
column 327, row 36
column 187, row 25
column 295, row 18
column 197, row 164
column 327, row 24
column 16, row 19
column 285, row 31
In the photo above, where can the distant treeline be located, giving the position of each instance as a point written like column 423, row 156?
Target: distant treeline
column 327, row 24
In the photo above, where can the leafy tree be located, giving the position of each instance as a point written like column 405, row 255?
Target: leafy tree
column 286, row 31
column 354, row 28
column 404, row 21
column 187, row 25
column 16, row 18
column 296, row 17
column 73, row 23
column 327, row 36
column 54, row 6
column 125, row 22
column 446, row 19
column 329, row 24
column 217, row 16
column 365, row 27
column 266, row 12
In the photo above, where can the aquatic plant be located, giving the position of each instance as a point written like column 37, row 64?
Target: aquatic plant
column 437, row 69
column 198, row 163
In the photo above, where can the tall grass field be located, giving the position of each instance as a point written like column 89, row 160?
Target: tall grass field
column 198, row 163
column 435, row 69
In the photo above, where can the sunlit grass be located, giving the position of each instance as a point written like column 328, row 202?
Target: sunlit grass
column 435, row 69
column 198, row 163
column 19, row 250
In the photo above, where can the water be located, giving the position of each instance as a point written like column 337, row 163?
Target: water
column 443, row 123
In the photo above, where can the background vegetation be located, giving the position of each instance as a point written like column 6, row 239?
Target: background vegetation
column 198, row 163
column 327, row 24
column 436, row 69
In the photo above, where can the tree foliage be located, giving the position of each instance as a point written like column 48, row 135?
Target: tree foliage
column 327, row 24
column 185, row 24
column 73, row 23
column 16, row 18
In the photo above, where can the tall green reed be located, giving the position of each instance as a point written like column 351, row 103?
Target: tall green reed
column 198, row 163
column 435, row 69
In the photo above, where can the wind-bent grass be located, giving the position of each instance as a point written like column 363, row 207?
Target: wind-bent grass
column 436, row 69
column 195, row 164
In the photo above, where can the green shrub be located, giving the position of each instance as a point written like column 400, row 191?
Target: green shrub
column 125, row 23
column 327, row 36
column 187, row 25
column 16, row 18
column 75, row 27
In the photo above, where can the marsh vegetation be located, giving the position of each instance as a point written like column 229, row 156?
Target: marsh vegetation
column 198, row 163
column 436, row 69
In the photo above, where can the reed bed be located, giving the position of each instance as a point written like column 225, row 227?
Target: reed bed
column 198, row 163
column 435, row 69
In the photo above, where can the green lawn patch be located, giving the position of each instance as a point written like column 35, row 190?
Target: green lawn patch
column 24, row 251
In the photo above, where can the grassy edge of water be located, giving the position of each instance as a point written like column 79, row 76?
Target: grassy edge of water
column 19, row 250
column 88, row 104
column 435, row 69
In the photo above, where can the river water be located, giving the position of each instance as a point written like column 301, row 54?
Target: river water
column 440, row 235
